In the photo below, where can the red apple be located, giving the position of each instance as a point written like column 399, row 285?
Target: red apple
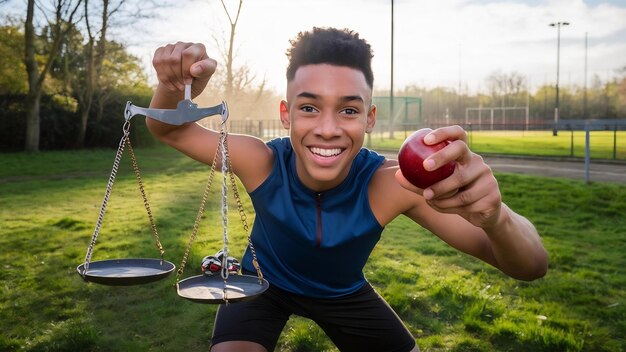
column 411, row 157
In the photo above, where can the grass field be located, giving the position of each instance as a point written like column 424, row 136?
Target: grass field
column 603, row 144
column 49, row 204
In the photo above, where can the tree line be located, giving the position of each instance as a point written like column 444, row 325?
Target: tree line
column 64, row 80
column 601, row 99
column 61, row 75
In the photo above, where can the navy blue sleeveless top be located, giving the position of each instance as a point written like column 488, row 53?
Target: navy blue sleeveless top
column 308, row 243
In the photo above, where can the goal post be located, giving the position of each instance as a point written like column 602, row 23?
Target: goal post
column 498, row 116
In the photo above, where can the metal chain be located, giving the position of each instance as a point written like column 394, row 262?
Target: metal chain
column 242, row 215
column 196, row 224
column 107, row 193
column 145, row 199
column 225, row 168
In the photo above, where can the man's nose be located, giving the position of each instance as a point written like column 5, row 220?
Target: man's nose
column 328, row 126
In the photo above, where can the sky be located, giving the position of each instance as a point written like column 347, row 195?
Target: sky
column 450, row 43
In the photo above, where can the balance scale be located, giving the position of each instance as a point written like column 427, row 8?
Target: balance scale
column 212, row 289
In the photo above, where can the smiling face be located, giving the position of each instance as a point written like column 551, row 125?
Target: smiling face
column 328, row 111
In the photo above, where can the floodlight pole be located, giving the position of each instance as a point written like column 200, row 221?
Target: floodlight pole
column 391, row 81
column 585, row 94
column 558, row 57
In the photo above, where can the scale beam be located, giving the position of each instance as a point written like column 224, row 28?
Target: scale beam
column 186, row 111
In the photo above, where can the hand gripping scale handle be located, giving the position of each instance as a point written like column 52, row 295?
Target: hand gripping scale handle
column 186, row 111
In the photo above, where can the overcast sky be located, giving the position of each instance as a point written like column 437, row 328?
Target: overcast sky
column 437, row 43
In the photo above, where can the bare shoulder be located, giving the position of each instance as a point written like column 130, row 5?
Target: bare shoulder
column 252, row 160
column 387, row 198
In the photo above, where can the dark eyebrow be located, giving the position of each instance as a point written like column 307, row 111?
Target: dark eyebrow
column 308, row 95
column 317, row 97
column 352, row 97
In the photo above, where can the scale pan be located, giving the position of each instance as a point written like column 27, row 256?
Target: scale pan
column 210, row 289
column 125, row 272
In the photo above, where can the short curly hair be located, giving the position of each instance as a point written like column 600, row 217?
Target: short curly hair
column 339, row 47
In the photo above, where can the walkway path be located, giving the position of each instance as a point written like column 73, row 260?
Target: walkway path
column 598, row 171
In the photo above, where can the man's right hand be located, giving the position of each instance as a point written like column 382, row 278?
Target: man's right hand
column 182, row 63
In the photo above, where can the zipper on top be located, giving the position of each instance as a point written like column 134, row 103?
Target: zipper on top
column 319, row 219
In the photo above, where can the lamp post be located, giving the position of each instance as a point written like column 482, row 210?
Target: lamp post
column 558, row 54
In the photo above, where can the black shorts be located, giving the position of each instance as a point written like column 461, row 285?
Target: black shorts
column 361, row 321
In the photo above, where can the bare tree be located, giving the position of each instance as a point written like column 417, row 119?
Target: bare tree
column 65, row 14
column 516, row 84
column 95, row 52
column 621, row 91
column 237, row 83
column 229, row 50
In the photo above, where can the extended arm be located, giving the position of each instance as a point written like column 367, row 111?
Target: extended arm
column 466, row 210
column 183, row 63
column 511, row 244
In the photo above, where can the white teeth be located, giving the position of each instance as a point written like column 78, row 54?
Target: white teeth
column 326, row 152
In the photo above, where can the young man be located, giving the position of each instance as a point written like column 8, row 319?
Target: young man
column 322, row 200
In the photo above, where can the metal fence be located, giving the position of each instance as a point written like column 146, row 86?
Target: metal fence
column 608, row 140
column 264, row 129
column 570, row 132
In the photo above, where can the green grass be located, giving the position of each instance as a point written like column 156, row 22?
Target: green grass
column 49, row 204
column 539, row 143
column 457, row 301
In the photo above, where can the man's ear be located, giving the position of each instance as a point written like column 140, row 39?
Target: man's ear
column 284, row 115
column 371, row 119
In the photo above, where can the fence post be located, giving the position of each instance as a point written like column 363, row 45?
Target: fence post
column 587, row 152
column 615, row 142
column 571, row 144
